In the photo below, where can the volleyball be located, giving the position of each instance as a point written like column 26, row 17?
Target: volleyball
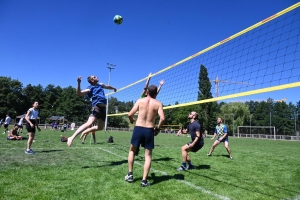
column 118, row 19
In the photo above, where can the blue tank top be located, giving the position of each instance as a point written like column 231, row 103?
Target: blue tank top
column 97, row 95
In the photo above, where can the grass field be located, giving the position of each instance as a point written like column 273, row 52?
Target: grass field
column 261, row 169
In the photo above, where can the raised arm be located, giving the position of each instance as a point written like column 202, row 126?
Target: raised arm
column 146, row 85
column 160, row 85
column 78, row 89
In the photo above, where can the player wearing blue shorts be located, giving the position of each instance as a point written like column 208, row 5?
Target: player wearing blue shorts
column 144, row 131
column 98, row 113
column 222, row 133
column 195, row 145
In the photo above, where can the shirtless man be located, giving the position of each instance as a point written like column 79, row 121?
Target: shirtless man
column 144, row 130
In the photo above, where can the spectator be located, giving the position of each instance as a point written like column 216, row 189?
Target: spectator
column 13, row 134
column 6, row 123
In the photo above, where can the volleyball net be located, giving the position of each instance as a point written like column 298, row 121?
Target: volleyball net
column 264, row 57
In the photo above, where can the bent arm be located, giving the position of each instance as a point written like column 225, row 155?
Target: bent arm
column 27, row 117
column 133, row 111
column 109, row 87
column 223, row 136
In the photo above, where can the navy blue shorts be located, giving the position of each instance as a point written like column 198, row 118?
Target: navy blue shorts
column 196, row 147
column 225, row 139
column 143, row 136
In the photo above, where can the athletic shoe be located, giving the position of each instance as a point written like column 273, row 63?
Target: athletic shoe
column 143, row 184
column 129, row 178
column 82, row 142
column 29, row 152
column 231, row 158
column 182, row 168
column 208, row 154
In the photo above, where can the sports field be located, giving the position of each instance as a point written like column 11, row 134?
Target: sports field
column 261, row 169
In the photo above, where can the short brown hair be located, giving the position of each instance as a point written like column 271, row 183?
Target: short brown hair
column 152, row 91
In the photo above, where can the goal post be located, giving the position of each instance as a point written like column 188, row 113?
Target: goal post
column 256, row 130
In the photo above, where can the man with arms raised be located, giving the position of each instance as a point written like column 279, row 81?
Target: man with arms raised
column 98, row 113
column 144, row 130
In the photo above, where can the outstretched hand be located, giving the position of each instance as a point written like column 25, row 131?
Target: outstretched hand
column 161, row 82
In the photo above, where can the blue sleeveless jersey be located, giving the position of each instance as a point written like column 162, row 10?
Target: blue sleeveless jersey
column 96, row 94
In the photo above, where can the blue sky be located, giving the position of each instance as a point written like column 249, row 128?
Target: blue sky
column 55, row 41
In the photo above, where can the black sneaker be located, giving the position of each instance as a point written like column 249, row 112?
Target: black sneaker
column 145, row 184
column 129, row 178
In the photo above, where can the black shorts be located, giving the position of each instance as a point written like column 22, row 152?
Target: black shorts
column 5, row 125
column 197, row 146
column 29, row 128
column 143, row 136
column 99, row 112
column 20, row 126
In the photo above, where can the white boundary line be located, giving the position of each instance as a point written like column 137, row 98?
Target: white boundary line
column 165, row 174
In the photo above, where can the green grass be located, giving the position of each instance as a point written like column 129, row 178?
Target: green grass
column 261, row 169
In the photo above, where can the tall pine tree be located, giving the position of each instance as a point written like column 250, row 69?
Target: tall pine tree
column 207, row 111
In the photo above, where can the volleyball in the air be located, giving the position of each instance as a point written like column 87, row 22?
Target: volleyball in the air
column 118, row 19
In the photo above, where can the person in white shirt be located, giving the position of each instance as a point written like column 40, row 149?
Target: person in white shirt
column 6, row 123
column 31, row 118
column 20, row 126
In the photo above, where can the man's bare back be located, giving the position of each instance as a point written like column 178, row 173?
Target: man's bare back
column 148, row 108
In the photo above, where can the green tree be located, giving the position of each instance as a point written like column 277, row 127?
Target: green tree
column 11, row 97
column 234, row 114
column 207, row 111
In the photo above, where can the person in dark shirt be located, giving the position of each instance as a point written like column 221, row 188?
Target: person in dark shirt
column 195, row 145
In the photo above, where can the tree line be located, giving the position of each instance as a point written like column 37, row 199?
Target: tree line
column 56, row 101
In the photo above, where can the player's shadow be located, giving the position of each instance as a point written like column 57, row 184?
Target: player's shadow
column 157, row 179
column 202, row 167
column 223, row 155
column 49, row 151
column 163, row 159
column 111, row 164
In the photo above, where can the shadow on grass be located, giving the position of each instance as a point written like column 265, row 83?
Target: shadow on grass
column 163, row 159
column 250, row 189
column 49, row 151
column 158, row 179
column 223, row 155
column 202, row 167
column 111, row 164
